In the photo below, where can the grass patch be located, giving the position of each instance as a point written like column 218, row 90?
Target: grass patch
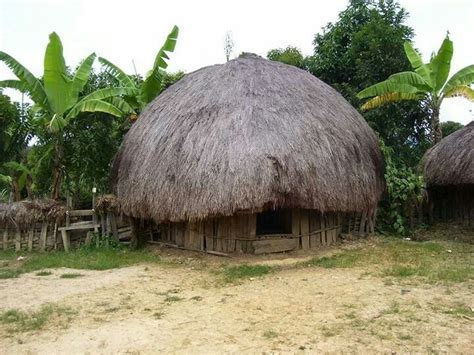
column 232, row 274
column 270, row 334
column 44, row 273
column 436, row 261
column 21, row 321
column 79, row 259
column 9, row 274
column 342, row 260
column 70, row 276
column 171, row 299
column 460, row 310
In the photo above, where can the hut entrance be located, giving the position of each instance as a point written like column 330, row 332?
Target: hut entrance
column 274, row 222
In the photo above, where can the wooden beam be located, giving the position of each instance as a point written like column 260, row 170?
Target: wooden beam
column 31, row 233
column 17, row 239
column 274, row 245
column 304, row 224
column 175, row 246
column 5, row 238
column 43, row 236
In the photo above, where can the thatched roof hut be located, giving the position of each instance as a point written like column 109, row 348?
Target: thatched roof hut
column 247, row 136
column 26, row 212
column 451, row 161
column 448, row 169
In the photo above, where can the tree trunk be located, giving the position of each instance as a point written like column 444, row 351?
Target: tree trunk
column 16, row 192
column 436, row 132
column 57, row 171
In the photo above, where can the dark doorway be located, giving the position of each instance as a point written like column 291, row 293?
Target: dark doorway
column 274, row 222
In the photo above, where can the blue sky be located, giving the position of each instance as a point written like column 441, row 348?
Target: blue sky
column 132, row 31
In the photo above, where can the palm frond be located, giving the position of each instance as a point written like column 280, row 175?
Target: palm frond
column 461, row 91
column 388, row 98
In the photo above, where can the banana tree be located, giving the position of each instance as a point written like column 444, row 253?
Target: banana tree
column 428, row 82
column 153, row 83
column 57, row 98
column 19, row 177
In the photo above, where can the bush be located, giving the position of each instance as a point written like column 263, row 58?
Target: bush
column 405, row 189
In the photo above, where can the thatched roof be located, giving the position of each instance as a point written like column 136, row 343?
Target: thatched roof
column 247, row 135
column 451, row 161
column 28, row 211
column 107, row 203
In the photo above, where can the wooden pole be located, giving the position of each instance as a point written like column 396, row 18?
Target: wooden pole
column 31, row 233
column 5, row 238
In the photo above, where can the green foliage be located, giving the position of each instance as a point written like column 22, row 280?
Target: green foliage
column 392, row 257
column 58, row 102
column 289, row 55
column 154, row 81
column 14, row 138
column 405, row 192
column 427, row 81
column 449, row 127
column 102, row 242
column 362, row 48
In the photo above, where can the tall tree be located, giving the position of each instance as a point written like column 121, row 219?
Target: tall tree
column 427, row 82
column 148, row 89
column 361, row 48
column 56, row 98
column 289, row 55
column 449, row 127
column 14, row 138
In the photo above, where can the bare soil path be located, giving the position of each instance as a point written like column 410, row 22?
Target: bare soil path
column 162, row 309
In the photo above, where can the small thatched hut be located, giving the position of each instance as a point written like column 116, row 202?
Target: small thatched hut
column 30, row 224
column 448, row 169
column 251, row 156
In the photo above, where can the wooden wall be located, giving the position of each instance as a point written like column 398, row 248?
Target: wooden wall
column 452, row 204
column 237, row 234
column 39, row 236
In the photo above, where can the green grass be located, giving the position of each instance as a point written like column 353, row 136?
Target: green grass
column 9, row 273
column 437, row 261
column 44, row 273
column 232, row 274
column 79, row 259
column 21, row 321
column 459, row 309
column 70, row 276
column 270, row 334
column 172, row 299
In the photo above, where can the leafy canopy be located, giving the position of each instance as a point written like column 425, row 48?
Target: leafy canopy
column 363, row 47
column 426, row 80
column 56, row 97
column 151, row 87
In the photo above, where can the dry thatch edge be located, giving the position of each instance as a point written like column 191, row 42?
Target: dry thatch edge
column 248, row 135
column 27, row 212
column 451, row 161
column 107, row 203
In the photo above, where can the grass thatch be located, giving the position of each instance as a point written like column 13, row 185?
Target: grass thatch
column 248, row 135
column 107, row 203
column 451, row 161
column 30, row 211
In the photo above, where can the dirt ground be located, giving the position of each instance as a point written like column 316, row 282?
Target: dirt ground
column 163, row 309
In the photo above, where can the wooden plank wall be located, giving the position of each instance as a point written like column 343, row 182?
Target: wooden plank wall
column 39, row 236
column 452, row 204
column 237, row 234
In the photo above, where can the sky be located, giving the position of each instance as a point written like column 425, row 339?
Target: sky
column 131, row 32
